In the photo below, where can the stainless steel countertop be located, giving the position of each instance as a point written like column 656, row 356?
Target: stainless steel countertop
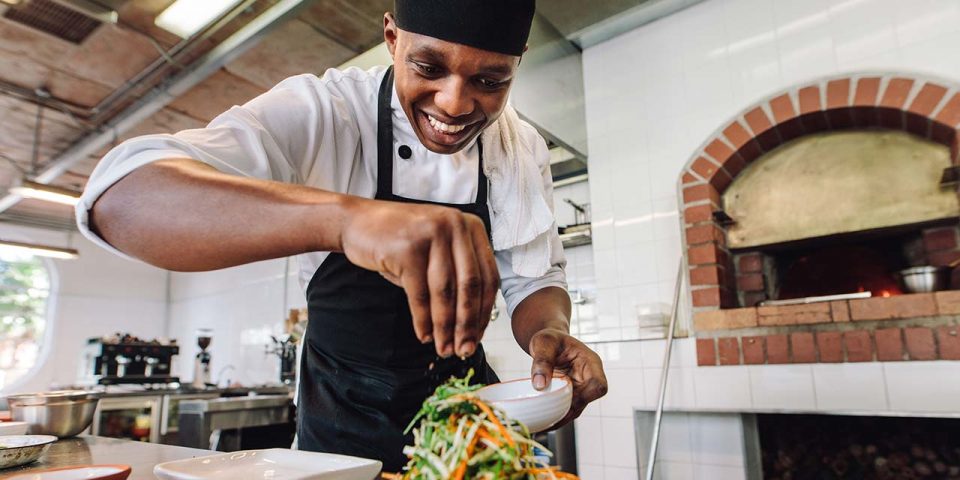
column 89, row 450
column 277, row 390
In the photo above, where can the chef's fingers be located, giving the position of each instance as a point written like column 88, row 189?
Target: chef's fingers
column 442, row 282
column 545, row 347
column 414, row 283
column 469, row 287
column 584, row 393
column 490, row 276
column 586, row 373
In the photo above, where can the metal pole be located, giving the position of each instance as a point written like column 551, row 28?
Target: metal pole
column 159, row 97
column 658, row 417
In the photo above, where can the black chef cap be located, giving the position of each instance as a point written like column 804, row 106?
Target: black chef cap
column 496, row 25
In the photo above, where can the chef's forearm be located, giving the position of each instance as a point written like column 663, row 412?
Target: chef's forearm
column 545, row 309
column 183, row 215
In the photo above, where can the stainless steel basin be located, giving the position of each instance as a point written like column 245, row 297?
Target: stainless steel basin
column 63, row 414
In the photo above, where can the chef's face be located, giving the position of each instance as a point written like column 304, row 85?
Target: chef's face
column 450, row 92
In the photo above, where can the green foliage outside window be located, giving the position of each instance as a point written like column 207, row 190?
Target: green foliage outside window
column 24, row 290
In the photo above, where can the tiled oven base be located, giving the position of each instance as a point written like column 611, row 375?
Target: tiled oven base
column 905, row 327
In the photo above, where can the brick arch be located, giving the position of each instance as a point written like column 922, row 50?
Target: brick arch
column 924, row 107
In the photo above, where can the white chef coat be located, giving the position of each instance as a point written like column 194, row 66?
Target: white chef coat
column 322, row 132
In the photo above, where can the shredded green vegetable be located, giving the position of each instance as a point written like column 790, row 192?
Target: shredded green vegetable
column 458, row 436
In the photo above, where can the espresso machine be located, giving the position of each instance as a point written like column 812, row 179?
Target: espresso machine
column 126, row 359
column 201, row 363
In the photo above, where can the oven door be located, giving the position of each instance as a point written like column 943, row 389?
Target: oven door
column 134, row 418
column 170, row 413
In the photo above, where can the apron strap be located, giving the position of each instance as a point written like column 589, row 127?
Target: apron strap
column 385, row 136
column 481, row 179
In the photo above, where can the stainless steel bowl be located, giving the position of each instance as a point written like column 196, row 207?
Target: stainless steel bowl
column 925, row 279
column 63, row 413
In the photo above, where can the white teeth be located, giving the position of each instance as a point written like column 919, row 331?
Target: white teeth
column 443, row 127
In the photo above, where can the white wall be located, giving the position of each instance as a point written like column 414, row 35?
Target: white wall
column 96, row 294
column 244, row 306
column 653, row 96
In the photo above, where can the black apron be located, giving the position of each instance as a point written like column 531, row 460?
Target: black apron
column 364, row 374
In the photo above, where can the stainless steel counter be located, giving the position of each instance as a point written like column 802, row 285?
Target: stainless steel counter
column 89, row 450
column 223, row 392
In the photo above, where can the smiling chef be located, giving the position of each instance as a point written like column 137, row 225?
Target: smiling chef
column 410, row 194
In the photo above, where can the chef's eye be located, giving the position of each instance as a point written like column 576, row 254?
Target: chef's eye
column 491, row 84
column 427, row 70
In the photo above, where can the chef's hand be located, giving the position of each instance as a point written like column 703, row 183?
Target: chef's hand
column 554, row 351
column 442, row 259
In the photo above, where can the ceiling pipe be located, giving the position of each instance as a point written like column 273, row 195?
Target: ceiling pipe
column 95, row 114
column 162, row 95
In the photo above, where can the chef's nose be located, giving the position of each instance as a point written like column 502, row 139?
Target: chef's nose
column 453, row 98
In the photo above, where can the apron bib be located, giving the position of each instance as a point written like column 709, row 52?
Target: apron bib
column 364, row 373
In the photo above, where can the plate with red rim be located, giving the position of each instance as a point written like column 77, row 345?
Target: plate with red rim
column 78, row 472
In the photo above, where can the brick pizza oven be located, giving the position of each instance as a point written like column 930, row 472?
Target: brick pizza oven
column 827, row 189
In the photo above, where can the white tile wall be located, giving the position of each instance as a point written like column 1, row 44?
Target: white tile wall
column 244, row 306
column 653, row 95
column 850, row 386
column 782, row 386
column 619, row 442
column 723, row 387
column 923, row 386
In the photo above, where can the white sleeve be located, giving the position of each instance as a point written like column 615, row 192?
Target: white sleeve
column 276, row 136
column 516, row 288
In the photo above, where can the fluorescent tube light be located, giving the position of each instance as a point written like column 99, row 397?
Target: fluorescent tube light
column 186, row 17
column 40, row 250
column 48, row 193
column 91, row 9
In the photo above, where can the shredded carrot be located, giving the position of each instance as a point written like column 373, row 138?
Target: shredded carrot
column 485, row 434
column 503, row 431
column 472, row 445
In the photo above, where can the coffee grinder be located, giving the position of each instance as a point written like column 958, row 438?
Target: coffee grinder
column 201, row 364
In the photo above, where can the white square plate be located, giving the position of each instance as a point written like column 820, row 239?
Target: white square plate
column 274, row 464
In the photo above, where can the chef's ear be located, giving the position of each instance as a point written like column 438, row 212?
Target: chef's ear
column 390, row 32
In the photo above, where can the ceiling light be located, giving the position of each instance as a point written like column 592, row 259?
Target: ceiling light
column 91, row 8
column 7, row 246
column 48, row 193
column 187, row 17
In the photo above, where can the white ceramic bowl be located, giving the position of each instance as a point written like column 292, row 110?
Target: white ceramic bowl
column 538, row 410
column 18, row 450
column 13, row 428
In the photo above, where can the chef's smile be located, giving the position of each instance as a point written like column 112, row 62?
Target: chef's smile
column 445, row 132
